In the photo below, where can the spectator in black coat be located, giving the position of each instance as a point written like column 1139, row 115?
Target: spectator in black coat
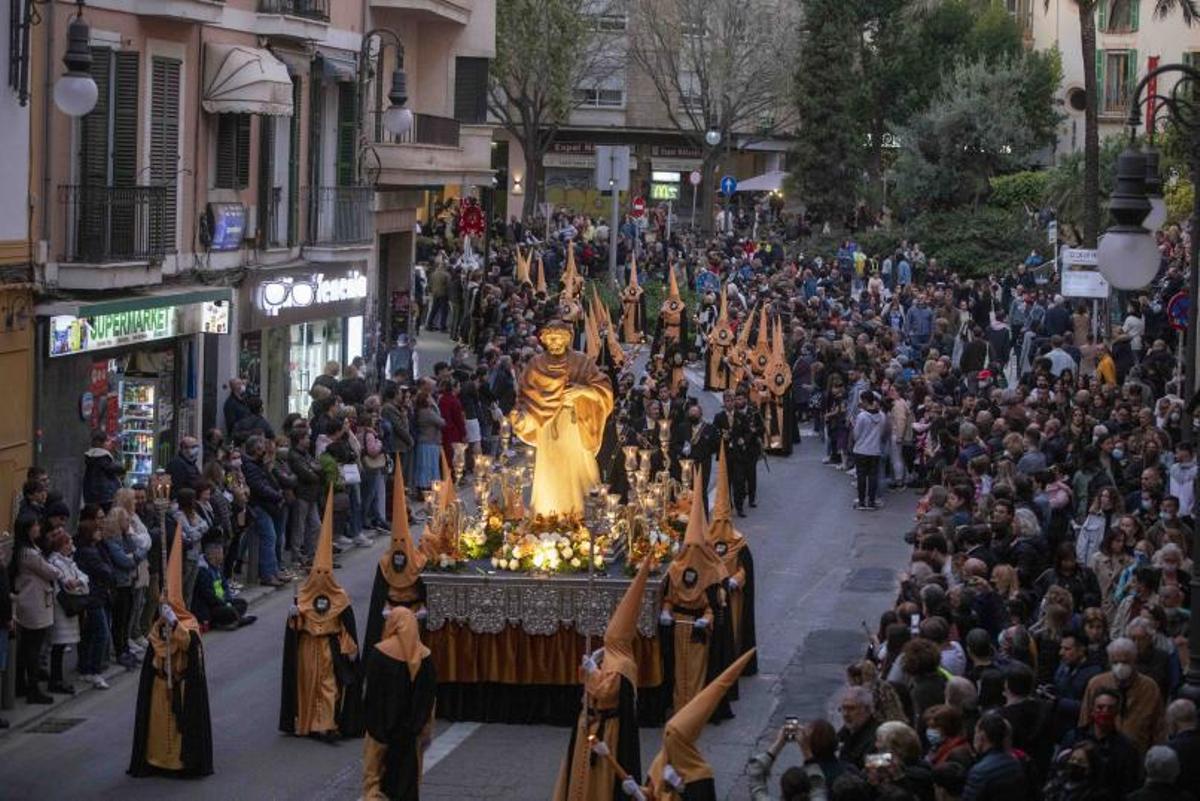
column 235, row 405
column 1076, row 667
column 1185, row 741
column 253, row 423
column 1117, row 758
column 102, row 473
column 184, row 467
column 1162, row 776
column 998, row 774
column 1029, row 717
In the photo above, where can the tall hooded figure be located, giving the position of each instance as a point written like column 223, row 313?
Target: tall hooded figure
column 398, row 575
column 321, row 696
column 401, row 689
column 734, row 551
column 693, row 625
column 609, row 719
column 679, row 770
column 671, row 337
column 172, row 731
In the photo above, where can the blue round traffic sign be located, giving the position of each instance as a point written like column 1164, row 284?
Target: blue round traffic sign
column 1178, row 308
column 728, row 185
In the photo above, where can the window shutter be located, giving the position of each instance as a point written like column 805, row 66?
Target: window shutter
column 347, row 133
column 1131, row 79
column 1102, row 15
column 129, row 216
column 294, row 163
column 91, row 211
column 1100, row 99
column 243, row 151
column 470, row 90
column 164, row 142
column 1133, row 14
column 225, row 167
column 267, row 209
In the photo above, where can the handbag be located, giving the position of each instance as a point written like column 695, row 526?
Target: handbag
column 71, row 604
column 350, row 474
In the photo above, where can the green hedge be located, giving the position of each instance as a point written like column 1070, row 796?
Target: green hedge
column 1019, row 190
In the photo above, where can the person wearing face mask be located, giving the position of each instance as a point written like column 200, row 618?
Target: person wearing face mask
column 184, row 467
column 1117, row 762
column 1183, row 476
column 945, row 735
column 1139, row 712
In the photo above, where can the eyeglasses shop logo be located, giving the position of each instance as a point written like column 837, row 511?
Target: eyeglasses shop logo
column 314, row 290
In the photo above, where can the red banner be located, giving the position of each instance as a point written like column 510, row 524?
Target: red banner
column 1151, row 94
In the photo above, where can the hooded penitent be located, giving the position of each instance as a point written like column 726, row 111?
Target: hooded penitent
column 592, row 335
column 683, row 730
column 716, row 374
column 734, row 551
column 398, row 576
column 696, row 567
column 402, row 640
column 540, row 287
column 321, row 599
column 522, row 265
column 631, row 306
column 172, row 728
column 571, row 280
column 777, row 410
column 762, row 343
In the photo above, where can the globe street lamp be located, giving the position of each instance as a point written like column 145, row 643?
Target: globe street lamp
column 397, row 119
column 713, row 137
column 1182, row 111
column 75, row 93
column 1127, row 254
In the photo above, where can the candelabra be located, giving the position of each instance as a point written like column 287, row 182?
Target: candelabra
column 505, row 440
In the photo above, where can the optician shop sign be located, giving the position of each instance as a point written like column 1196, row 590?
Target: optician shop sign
column 70, row 334
column 300, row 292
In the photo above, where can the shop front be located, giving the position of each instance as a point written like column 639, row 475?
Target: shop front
column 129, row 367
column 292, row 323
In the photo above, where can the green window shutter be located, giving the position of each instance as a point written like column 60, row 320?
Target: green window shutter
column 347, row 133
column 1102, row 15
column 1131, row 80
column 243, row 151
column 470, row 90
column 1100, row 99
column 293, row 227
column 129, row 213
column 1135, row 6
column 164, row 140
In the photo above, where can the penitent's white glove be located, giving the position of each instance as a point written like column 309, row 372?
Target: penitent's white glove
column 701, row 623
column 293, row 611
column 632, row 790
column 168, row 614
column 421, row 613
column 733, row 583
column 672, row 777
column 599, row 748
column 665, row 618
column 589, row 664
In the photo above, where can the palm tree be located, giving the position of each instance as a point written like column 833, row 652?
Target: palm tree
column 1091, row 124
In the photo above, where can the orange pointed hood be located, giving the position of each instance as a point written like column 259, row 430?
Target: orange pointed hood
column 174, row 592
column 633, row 279
column 674, row 284
column 762, row 342
column 725, row 540
column 523, row 266
column 541, row 277
column 591, row 335
column 321, row 599
column 401, row 639
column 570, row 276
column 402, row 564
column 622, row 627
column 696, row 567
column 683, row 729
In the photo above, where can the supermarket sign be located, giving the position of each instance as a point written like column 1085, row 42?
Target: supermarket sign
column 70, row 334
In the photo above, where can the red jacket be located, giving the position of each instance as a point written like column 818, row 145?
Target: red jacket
column 456, row 423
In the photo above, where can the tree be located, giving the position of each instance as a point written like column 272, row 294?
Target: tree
column 828, row 153
column 545, row 51
column 1091, row 124
column 716, row 65
column 984, row 121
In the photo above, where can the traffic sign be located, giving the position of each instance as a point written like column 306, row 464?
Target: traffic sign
column 1083, row 256
column 695, row 177
column 1052, row 232
column 1084, row 284
column 639, row 207
column 728, row 185
column 1177, row 311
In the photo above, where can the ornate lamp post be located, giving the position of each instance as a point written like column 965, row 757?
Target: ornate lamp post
column 1132, row 265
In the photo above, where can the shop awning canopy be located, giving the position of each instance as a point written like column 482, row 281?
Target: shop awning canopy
column 245, row 80
column 154, row 299
column 767, row 182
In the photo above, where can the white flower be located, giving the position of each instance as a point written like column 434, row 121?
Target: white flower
column 599, row 561
column 537, row 560
column 576, row 563
column 568, row 552
column 514, row 564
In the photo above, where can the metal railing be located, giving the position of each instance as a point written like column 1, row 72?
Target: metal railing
column 308, row 9
column 339, row 215
column 272, row 219
column 114, row 223
column 427, row 129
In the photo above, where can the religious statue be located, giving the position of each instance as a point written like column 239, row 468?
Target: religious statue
column 563, row 401
column 632, row 307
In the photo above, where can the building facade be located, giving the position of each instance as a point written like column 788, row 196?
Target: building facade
column 226, row 207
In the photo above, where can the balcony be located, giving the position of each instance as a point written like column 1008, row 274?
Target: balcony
column 113, row 235
column 340, row 223
column 293, row 19
column 436, row 151
column 207, row 11
column 456, row 11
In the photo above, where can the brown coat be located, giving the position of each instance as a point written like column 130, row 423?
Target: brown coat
column 1142, row 716
column 33, row 591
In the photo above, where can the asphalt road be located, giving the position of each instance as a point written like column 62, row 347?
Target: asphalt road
column 822, row 569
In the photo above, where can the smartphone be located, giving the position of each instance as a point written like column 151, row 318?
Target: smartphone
column 876, row 761
column 914, row 623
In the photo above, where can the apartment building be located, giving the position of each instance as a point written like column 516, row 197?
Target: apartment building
column 619, row 103
column 1131, row 40
column 223, row 208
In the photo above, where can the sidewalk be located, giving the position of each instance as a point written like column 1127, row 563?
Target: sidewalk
column 23, row 716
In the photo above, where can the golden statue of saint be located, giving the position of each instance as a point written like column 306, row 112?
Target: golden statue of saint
column 563, row 399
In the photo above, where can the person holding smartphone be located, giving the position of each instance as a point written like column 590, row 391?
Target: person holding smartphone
column 806, row 783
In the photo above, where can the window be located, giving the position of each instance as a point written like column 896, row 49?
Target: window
column 470, row 90
column 347, row 134
column 609, row 23
column 1116, row 72
column 1117, row 16
column 233, row 151
column 693, row 26
column 600, row 98
column 164, row 141
column 691, row 93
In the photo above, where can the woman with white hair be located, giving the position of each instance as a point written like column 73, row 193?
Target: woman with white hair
column 1175, row 570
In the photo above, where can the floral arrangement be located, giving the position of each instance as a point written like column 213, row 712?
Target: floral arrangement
column 567, row 550
column 662, row 543
column 484, row 536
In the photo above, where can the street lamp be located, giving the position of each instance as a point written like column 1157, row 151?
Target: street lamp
column 1157, row 217
column 1182, row 111
column 398, row 118
column 1127, row 255
column 75, row 93
column 713, row 137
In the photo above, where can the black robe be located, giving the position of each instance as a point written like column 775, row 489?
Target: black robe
column 379, row 601
column 629, row 751
column 397, row 709
column 700, row 790
column 191, row 716
column 349, row 714
column 720, row 651
column 784, row 426
column 746, row 624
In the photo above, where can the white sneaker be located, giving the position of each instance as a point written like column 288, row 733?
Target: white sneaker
column 97, row 681
column 344, row 542
column 141, row 643
column 363, row 541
